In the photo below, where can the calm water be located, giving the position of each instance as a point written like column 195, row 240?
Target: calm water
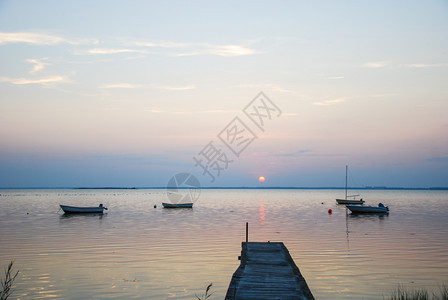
column 136, row 251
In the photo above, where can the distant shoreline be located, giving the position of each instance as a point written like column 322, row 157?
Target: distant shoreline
column 229, row 188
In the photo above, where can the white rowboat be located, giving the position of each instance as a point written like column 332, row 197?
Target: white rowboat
column 350, row 201
column 82, row 210
column 178, row 205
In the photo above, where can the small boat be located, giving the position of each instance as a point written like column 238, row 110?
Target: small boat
column 177, row 205
column 349, row 201
column 82, row 210
column 368, row 209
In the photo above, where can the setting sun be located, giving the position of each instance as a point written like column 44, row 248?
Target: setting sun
column 261, row 179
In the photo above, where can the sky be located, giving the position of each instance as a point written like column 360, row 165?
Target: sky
column 129, row 94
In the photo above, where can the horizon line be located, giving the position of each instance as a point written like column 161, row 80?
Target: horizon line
column 227, row 188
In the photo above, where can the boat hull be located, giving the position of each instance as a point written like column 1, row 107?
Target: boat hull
column 178, row 205
column 346, row 201
column 364, row 209
column 82, row 210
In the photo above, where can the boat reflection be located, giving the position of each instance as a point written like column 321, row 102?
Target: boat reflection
column 369, row 216
column 82, row 215
column 262, row 213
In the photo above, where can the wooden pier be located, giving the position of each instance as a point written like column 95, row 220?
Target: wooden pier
column 267, row 271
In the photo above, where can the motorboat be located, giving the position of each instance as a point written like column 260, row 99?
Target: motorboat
column 368, row 209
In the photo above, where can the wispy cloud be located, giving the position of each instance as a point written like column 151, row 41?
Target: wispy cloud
column 36, row 38
column 150, row 86
column 427, row 65
column 330, row 102
column 41, row 81
column 278, row 88
column 177, row 49
column 192, row 49
column 190, row 112
column 31, row 38
column 120, row 86
column 293, row 154
column 174, row 88
column 213, row 111
column 330, row 76
column 219, row 50
column 156, row 111
column 130, row 46
column 38, row 65
column 111, row 51
column 163, row 44
column 267, row 86
column 376, row 64
column 382, row 64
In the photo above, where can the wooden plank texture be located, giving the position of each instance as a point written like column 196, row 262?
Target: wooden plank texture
column 267, row 271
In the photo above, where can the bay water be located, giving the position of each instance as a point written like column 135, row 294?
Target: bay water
column 136, row 251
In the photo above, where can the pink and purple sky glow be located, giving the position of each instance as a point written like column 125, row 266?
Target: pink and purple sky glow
column 125, row 94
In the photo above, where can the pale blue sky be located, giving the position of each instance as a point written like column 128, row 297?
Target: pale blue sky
column 115, row 93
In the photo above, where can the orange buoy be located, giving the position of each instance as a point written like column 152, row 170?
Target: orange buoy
column 330, row 211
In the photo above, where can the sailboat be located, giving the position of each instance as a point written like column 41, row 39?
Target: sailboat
column 346, row 200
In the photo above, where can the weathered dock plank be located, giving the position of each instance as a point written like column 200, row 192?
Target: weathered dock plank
column 267, row 271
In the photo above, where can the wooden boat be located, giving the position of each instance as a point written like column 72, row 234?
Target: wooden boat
column 350, row 201
column 346, row 200
column 177, row 205
column 368, row 209
column 82, row 210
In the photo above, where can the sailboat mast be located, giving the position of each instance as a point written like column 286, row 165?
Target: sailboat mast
column 346, row 170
